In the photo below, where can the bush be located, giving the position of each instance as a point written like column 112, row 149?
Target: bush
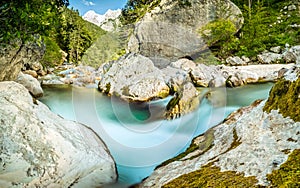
column 106, row 48
column 265, row 26
column 220, row 34
column 53, row 55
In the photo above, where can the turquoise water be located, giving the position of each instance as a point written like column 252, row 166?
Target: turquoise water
column 136, row 134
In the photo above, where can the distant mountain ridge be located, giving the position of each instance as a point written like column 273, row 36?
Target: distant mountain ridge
column 103, row 21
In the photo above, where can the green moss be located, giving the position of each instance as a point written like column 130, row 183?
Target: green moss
column 202, row 146
column 106, row 90
column 211, row 176
column 288, row 175
column 285, row 97
column 53, row 54
column 174, row 101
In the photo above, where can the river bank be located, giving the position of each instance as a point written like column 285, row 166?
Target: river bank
column 137, row 139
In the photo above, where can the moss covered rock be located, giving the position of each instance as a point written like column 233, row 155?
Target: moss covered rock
column 211, row 176
column 285, row 97
column 288, row 175
column 240, row 152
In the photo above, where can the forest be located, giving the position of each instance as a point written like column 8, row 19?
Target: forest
column 266, row 24
column 60, row 28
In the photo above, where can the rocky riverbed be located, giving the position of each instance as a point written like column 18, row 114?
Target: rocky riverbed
column 244, row 150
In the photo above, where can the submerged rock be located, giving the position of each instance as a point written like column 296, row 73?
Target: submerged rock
column 40, row 149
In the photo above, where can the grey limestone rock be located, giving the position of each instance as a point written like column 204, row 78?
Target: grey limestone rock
column 41, row 149
column 15, row 55
column 171, row 29
column 269, row 58
column 292, row 55
column 31, row 84
column 134, row 77
column 235, row 61
column 262, row 139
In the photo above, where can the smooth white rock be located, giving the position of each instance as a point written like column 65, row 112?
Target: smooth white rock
column 41, row 149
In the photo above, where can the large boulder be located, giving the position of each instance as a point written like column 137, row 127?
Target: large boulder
column 171, row 29
column 135, row 78
column 292, row 55
column 31, row 84
column 15, row 55
column 40, row 149
column 269, row 58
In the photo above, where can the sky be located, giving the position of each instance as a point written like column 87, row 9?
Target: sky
column 99, row 6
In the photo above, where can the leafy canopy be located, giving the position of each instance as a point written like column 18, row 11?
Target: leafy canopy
column 22, row 19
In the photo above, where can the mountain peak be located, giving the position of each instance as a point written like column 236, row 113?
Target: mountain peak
column 99, row 19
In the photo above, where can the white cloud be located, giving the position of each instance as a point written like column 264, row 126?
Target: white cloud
column 88, row 3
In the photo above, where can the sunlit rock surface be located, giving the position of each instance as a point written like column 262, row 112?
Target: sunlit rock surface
column 40, row 149
column 134, row 77
column 31, row 84
column 251, row 143
column 171, row 29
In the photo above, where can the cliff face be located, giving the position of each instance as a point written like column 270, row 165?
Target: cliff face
column 15, row 55
column 171, row 29
column 250, row 147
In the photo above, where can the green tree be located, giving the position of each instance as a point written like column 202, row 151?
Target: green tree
column 74, row 36
column 265, row 26
column 220, row 34
column 22, row 19
column 136, row 9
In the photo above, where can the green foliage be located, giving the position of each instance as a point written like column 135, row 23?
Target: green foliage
column 134, row 10
column 107, row 48
column 211, row 176
column 284, row 96
column 23, row 19
column 61, row 27
column 265, row 26
column 76, row 35
column 220, row 34
column 288, row 175
column 53, row 55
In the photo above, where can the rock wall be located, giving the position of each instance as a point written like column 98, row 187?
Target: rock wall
column 170, row 30
column 15, row 55
column 40, row 149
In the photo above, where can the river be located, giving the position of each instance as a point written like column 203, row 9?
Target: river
column 137, row 136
